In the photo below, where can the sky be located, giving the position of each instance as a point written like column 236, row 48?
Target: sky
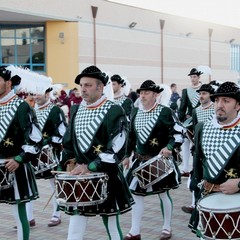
column 215, row 11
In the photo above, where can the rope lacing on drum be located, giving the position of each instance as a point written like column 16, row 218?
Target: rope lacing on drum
column 81, row 191
column 153, row 170
column 218, row 227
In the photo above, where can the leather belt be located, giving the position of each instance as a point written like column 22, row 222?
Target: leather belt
column 211, row 187
column 142, row 157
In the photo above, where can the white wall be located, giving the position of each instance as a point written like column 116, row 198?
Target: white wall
column 135, row 53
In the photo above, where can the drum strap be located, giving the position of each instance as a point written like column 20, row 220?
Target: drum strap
column 7, row 113
column 220, row 151
column 193, row 96
column 42, row 115
column 87, row 122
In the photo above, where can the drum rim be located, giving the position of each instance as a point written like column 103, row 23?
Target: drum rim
column 3, row 187
column 44, row 169
column 149, row 161
column 79, row 177
column 80, row 204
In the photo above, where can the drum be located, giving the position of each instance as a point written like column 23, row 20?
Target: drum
column 81, row 190
column 219, row 216
column 153, row 170
column 6, row 178
column 45, row 161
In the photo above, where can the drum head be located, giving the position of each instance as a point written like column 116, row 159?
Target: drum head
column 220, row 201
column 2, row 162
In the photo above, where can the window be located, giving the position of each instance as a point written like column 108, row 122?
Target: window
column 235, row 57
column 23, row 45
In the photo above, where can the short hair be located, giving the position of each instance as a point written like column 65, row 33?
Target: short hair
column 173, row 85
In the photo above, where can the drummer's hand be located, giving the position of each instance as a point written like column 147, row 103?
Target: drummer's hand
column 80, row 169
column 188, row 116
column 11, row 165
column 230, row 186
column 125, row 163
column 166, row 152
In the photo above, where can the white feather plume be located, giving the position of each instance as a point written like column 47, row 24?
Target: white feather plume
column 127, row 86
column 30, row 81
column 108, row 89
column 165, row 95
column 56, row 91
column 204, row 69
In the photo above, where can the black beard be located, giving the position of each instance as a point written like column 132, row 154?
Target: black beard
column 221, row 119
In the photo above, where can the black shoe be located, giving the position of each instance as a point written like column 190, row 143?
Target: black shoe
column 32, row 223
column 187, row 209
column 185, row 174
column 54, row 221
column 129, row 236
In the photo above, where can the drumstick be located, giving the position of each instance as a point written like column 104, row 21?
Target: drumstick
column 59, row 172
column 49, row 200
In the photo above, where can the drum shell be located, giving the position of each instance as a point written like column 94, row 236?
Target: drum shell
column 152, row 171
column 6, row 178
column 216, row 223
column 44, row 163
column 81, row 190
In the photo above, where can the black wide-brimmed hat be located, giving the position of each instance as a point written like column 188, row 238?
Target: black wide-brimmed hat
column 7, row 75
column 118, row 79
column 92, row 72
column 227, row 89
column 151, row 86
column 194, row 71
column 206, row 88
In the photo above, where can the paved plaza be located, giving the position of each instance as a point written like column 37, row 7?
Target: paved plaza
column 151, row 224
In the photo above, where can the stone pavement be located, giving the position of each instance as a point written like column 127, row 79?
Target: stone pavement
column 151, row 224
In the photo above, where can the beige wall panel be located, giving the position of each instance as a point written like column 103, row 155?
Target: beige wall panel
column 62, row 54
column 136, row 55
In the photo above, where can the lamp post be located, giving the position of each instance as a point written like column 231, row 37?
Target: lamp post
column 94, row 14
column 210, row 31
column 162, row 22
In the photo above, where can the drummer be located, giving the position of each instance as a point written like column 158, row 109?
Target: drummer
column 189, row 101
column 152, row 133
column 202, row 113
column 20, row 142
column 217, row 148
column 52, row 123
column 96, row 138
column 121, row 89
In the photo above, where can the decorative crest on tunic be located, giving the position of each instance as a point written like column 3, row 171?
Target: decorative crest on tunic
column 8, row 142
column 231, row 173
column 97, row 149
column 154, row 142
column 145, row 122
column 7, row 113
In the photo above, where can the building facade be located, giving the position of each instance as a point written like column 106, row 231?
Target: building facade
column 60, row 39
